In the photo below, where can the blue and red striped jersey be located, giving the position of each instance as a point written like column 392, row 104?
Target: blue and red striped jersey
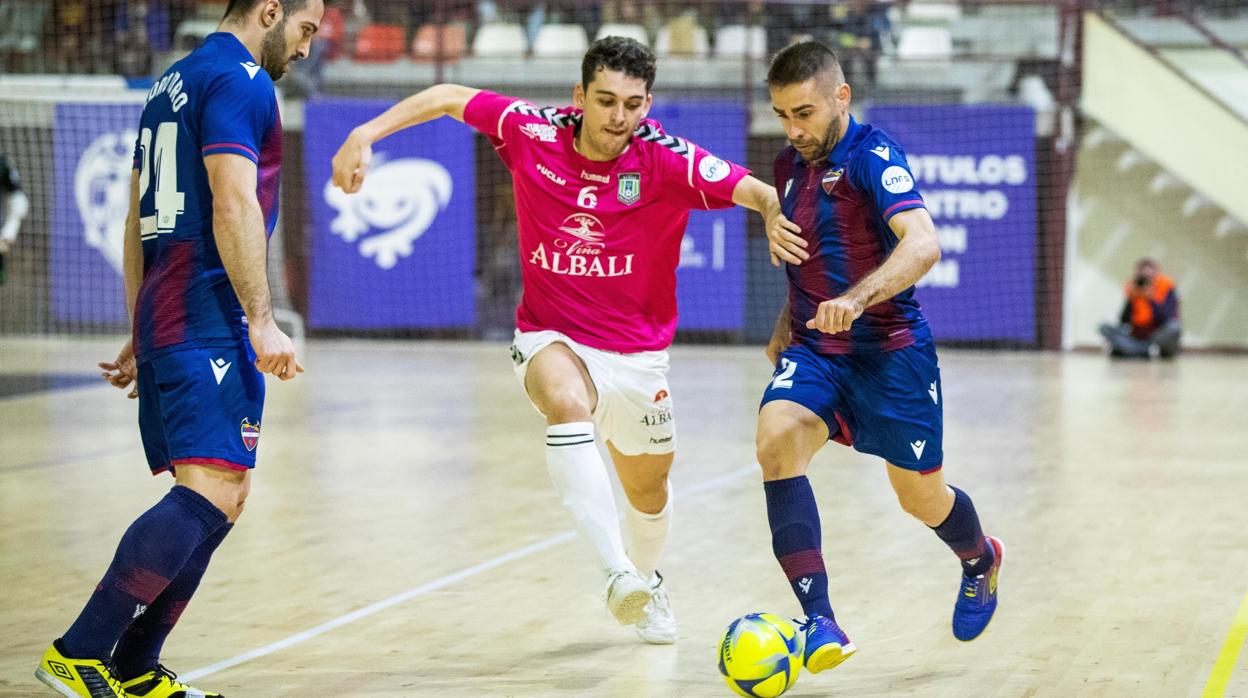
column 215, row 100
column 843, row 204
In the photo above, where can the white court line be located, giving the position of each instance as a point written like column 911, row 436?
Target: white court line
column 434, row 585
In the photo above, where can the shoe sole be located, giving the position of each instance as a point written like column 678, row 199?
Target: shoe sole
column 829, row 656
column 665, row 640
column 1000, row 552
column 54, row 683
column 631, row 609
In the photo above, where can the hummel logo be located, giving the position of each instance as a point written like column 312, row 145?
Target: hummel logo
column 219, row 367
column 882, row 151
column 918, row 447
column 805, row 584
column 138, row 610
column 931, row 390
column 251, row 69
column 972, row 561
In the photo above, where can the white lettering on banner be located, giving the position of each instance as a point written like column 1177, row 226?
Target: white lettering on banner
column 944, row 274
column 690, row 257
column 952, row 238
column 970, row 204
column 990, row 170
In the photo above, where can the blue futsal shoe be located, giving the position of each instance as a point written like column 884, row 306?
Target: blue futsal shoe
column 977, row 598
column 826, row 645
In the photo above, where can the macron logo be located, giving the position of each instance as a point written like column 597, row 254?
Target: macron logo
column 805, row 584
column 882, row 151
column 931, row 390
column 917, row 447
column 219, row 367
column 251, row 69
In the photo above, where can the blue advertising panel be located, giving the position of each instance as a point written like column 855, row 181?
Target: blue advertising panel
column 710, row 281
column 975, row 166
column 93, row 146
column 400, row 253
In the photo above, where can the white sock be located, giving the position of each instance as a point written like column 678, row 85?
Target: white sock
column 580, row 478
column 646, row 535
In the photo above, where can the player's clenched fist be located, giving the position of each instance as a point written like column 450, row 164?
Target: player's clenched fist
column 836, row 315
column 351, row 162
column 275, row 353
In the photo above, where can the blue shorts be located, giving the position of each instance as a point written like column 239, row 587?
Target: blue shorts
column 201, row 406
column 887, row 404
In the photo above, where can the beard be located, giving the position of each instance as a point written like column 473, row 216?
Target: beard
column 273, row 54
column 828, row 142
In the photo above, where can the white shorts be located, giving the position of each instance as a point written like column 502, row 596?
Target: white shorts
column 634, row 410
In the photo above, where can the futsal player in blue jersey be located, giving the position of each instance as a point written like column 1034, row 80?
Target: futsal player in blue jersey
column 853, row 354
column 203, row 201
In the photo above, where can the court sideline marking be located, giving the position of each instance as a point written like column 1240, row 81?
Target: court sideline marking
column 434, row 585
column 1227, row 658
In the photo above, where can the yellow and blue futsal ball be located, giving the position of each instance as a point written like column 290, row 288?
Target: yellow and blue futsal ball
column 760, row 655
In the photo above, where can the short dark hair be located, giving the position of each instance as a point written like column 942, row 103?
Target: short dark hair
column 800, row 62
column 237, row 9
column 628, row 56
column 1146, row 262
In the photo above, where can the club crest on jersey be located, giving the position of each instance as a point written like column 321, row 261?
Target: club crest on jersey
column 830, row 178
column 398, row 202
column 629, row 190
column 102, row 192
column 250, row 433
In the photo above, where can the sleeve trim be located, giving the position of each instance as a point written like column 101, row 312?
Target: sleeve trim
column 909, row 203
column 230, row 146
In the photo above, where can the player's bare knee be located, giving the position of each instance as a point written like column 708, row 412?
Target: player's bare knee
column 776, row 456
column 565, row 405
column 923, row 506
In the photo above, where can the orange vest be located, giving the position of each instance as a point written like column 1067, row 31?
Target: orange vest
column 1141, row 309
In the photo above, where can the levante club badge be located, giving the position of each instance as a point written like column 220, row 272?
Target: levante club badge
column 251, row 434
column 831, row 178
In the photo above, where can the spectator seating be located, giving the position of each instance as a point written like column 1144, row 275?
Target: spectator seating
column 925, row 43
column 739, row 40
column 380, row 43
column 560, row 40
column 454, row 42
column 500, row 40
column 630, row 31
column 682, row 37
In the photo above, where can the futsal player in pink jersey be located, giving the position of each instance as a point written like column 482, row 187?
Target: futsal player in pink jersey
column 603, row 196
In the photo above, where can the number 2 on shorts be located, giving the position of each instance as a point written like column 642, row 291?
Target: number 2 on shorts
column 784, row 379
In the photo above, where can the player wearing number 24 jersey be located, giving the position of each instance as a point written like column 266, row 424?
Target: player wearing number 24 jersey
column 203, row 202
column 603, row 195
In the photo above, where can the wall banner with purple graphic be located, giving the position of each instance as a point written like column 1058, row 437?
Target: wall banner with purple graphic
column 400, row 253
column 710, row 281
column 975, row 166
column 93, row 145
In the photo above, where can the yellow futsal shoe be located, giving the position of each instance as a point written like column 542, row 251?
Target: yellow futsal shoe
column 88, row 678
column 163, row 683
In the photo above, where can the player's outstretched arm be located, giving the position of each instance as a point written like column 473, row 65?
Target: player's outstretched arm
column 784, row 240
column 238, row 226
column 351, row 161
column 917, row 250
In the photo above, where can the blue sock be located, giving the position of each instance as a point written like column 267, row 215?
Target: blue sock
column 797, row 543
column 150, row 554
column 962, row 533
column 138, row 650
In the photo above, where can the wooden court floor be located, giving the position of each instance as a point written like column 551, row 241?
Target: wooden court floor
column 402, row 538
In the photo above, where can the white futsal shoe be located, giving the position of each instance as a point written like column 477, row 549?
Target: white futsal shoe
column 659, row 625
column 627, row 596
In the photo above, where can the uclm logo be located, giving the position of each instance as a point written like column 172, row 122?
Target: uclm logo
column 396, row 205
